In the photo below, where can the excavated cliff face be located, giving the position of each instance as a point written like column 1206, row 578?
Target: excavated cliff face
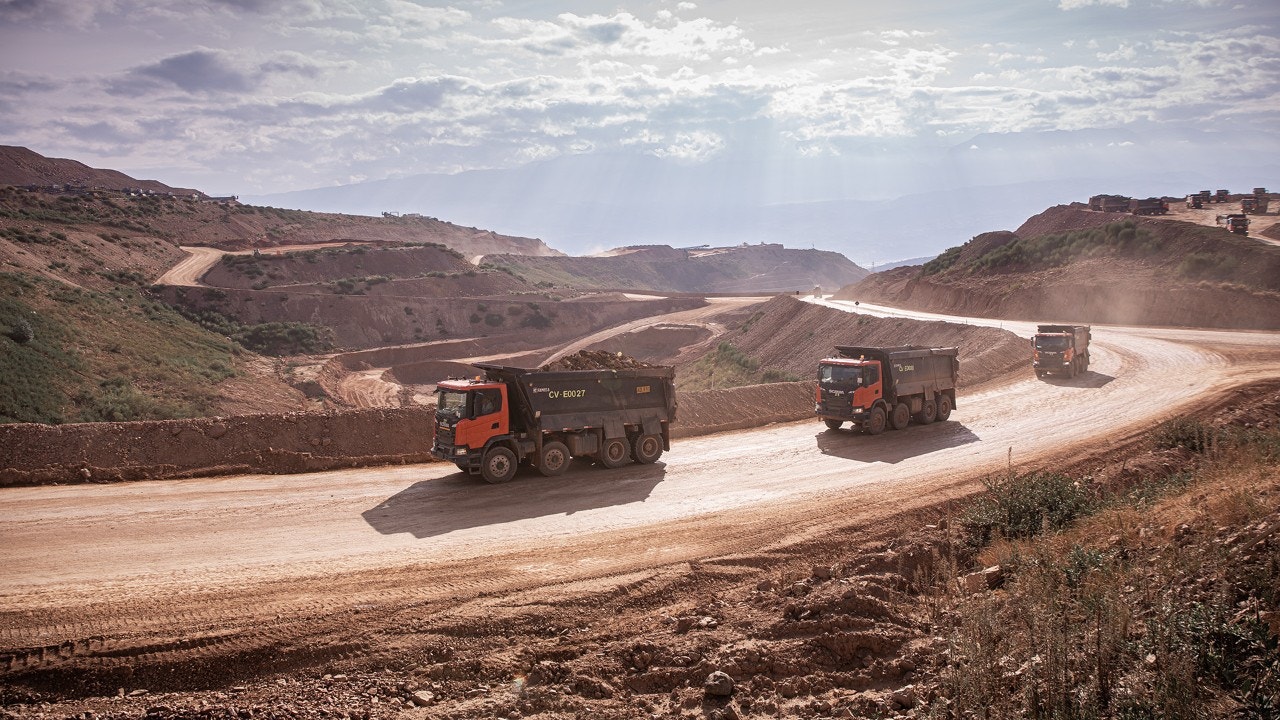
column 1103, row 287
column 1112, row 302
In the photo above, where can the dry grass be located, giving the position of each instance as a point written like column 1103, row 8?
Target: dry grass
column 1156, row 605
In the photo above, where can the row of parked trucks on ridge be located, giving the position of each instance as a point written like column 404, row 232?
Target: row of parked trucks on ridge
column 1255, row 203
column 488, row 425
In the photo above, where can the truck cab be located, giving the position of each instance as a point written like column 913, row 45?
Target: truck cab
column 468, row 414
column 848, row 389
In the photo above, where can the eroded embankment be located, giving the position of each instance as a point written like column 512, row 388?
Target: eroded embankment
column 32, row 454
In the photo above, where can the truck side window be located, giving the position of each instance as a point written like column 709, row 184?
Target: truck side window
column 873, row 375
column 487, row 402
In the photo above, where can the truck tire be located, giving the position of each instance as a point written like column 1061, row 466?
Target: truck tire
column 944, row 407
column 499, row 465
column 876, row 422
column 901, row 416
column 1071, row 370
column 555, row 459
column 615, row 453
column 646, row 449
column 833, row 424
column 928, row 412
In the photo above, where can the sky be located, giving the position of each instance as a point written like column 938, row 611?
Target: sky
column 799, row 102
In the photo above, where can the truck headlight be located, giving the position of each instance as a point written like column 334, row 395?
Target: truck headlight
column 817, row 407
column 460, row 451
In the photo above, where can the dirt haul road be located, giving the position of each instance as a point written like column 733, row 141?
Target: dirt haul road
column 194, row 573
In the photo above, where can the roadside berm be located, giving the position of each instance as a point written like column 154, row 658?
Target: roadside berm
column 35, row 454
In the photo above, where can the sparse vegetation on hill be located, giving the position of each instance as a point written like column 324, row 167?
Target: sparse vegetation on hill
column 102, row 356
column 1071, row 264
column 784, row 338
column 726, row 367
column 743, row 269
column 1152, row 596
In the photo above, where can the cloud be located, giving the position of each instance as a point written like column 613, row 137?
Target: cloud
column 1077, row 4
column 75, row 13
column 206, row 72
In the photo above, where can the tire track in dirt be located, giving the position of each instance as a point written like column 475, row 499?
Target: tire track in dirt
column 267, row 567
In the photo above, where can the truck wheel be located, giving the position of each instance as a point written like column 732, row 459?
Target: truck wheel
column 833, row 424
column 901, row 416
column 499, row 465
column 646, row 449
column 875, row 424
column 928, row 412
column 944, row 407
column 1071, row 370
column 615, row 453
column 1040, row 374
column 555, row 459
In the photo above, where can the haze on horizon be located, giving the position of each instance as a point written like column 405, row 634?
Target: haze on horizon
column 814, row 124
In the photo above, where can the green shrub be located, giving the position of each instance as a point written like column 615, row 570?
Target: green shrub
column 1188, row 433
column 1022, row 506
column 22, row 332
column 285, row 338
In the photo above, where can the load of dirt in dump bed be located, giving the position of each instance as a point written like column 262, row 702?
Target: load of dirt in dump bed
column 596, row 360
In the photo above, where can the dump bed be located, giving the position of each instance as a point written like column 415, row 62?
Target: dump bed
column 909, row 369
column 574, row 399
column 1081, row 334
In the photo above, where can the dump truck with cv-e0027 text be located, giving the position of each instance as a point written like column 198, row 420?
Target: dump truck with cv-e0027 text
column 878, row 387
column 488, row 426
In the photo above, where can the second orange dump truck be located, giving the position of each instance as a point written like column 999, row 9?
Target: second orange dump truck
column 886, row 387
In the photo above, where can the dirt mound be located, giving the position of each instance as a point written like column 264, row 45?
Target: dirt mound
column 790, row 336
column 741, row 269
column 1065, row 218
column 1071, row 264
column 596, row 360
column 21, row 166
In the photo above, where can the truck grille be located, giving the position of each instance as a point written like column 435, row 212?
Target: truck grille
column 444, row 436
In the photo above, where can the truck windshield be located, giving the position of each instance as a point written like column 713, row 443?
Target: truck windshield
column 839, row 374
column 452, row 402
column 1052, row 343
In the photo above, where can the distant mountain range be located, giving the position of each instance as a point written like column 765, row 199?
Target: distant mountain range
column 877, row 205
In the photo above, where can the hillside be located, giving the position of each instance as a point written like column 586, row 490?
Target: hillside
column 784, row 338
column 1072, row 264
column 76, row 355
column 738, row 269
column 21, row 166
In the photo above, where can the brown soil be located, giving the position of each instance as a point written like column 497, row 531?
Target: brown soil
column 842, row 623
column 791, row 336
column 741, row 269
column 596, row 360
column 1112, row 289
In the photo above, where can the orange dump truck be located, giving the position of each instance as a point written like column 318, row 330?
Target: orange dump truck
column 878, row 387
column 1061, row 349
column 488, row 425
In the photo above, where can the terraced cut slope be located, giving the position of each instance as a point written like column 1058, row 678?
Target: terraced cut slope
column 740, row 269
column 1071, row 264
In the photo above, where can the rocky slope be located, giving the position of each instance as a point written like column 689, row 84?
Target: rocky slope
column 1070, row 264
column 21, row 166
column 739, row 269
